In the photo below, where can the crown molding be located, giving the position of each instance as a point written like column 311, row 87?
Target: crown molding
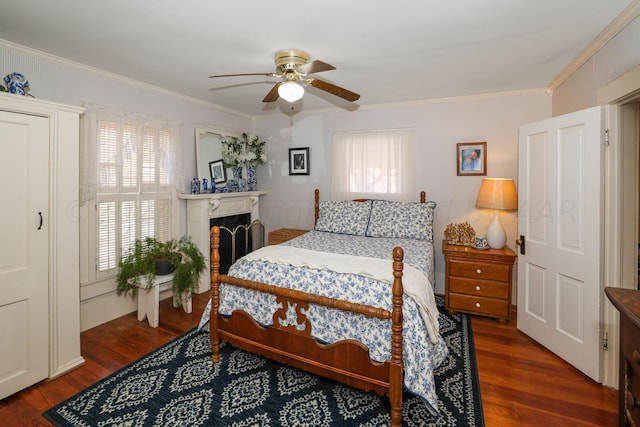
column 125, row 80
column 112, row 76
column 629, row 14
column 621, row 90
column 463, row 98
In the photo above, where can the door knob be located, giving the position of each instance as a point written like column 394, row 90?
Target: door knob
column 521, row 242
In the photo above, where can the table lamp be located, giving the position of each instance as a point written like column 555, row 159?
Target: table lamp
column 498, row 194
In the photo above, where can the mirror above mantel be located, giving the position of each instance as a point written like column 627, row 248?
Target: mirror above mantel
column 209, row 153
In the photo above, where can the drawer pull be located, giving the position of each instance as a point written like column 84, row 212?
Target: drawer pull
column 632, row 402
column 636, row 356
column 477, row 305
column 477, row 288
column 479, row 271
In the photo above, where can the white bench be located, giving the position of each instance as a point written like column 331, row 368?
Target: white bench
column 149, row 299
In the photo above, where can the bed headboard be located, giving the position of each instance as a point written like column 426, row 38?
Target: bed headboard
column 423, row 199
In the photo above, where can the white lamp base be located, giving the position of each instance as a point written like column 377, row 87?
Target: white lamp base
column 496, row 237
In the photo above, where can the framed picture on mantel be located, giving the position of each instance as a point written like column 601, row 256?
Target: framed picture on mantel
column 218, row 171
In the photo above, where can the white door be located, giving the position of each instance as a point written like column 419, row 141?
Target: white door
column 559, row 276
column 24, row 178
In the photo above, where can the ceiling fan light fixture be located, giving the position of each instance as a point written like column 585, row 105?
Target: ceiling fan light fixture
column 290, row 91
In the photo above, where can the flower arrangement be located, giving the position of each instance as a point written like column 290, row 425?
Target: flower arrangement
column 246, row 150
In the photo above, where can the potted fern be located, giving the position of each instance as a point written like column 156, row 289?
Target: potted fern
column 147, row 260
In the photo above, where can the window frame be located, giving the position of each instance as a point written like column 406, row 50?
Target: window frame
column 161, row 191
column 395, row 147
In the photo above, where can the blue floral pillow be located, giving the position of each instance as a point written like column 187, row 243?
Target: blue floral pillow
column 344, row 217
column 402, row 220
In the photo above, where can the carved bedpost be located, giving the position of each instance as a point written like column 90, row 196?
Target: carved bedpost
column 396, row 367
column 317, row 205
column 215, row 294
column 423, row 197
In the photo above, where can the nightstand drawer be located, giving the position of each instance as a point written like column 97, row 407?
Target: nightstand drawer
column 479, row 305
column 480, row 271
column 479, row 288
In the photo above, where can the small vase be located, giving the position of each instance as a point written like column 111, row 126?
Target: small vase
column 17, row 83
column 252, row 179
column 239, row 180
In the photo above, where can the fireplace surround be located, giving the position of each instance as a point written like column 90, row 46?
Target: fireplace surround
column 202, row 208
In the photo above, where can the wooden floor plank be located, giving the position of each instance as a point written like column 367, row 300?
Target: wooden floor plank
column 522, row 384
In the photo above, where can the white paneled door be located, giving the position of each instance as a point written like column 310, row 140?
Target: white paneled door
column 24, row 177
column 559, row 275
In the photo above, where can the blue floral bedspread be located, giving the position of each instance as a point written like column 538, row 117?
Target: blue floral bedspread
column 417, row 253
column 421, row 356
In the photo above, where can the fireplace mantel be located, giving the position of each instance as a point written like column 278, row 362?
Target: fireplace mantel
column 202, row 207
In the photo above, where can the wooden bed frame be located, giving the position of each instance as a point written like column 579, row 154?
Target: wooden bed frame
column 346, row 361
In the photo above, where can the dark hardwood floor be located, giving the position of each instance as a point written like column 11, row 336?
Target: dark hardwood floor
column 522, row 384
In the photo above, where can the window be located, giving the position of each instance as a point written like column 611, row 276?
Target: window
column 127, row 162
column 374, row 164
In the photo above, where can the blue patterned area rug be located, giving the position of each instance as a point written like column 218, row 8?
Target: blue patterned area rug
column 176, row 385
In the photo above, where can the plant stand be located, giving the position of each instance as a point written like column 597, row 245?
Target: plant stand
column 149, row 299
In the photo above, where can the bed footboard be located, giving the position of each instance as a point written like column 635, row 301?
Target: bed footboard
column 346, row 361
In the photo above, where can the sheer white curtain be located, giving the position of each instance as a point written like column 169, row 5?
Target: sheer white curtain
column 374, row 164
column 159, row 135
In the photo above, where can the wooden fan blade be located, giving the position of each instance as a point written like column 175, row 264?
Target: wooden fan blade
column 270, row 82
column 314, row 67
column 273, row 94
column 334, row 90
column 244, row 74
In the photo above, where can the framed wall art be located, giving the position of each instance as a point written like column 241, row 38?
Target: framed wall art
column 472, row 158
column 218, row 171
column 299, row 161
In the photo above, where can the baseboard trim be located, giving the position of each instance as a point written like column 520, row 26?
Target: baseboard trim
column 104, row 308
column 67, row 367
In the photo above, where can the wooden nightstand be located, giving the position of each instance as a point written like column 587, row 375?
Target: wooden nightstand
column 283, row 234
column 478, row 281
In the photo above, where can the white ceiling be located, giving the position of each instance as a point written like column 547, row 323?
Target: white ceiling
column 387, row 51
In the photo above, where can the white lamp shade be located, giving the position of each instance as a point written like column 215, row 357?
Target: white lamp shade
column 290, row 91
column 498, row 194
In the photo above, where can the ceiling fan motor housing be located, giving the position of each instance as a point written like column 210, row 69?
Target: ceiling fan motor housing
column 290, row 58
column 293, row 66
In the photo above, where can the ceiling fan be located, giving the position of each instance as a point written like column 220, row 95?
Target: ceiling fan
column 293, row 67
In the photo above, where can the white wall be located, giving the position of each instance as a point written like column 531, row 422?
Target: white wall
column 618, row 56
column 437, row 127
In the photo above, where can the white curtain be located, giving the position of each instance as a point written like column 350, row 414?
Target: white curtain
column 168, row 146
column 374, row 164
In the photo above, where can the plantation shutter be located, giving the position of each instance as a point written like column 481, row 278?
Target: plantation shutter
column 133, row 186
column 106, row 236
